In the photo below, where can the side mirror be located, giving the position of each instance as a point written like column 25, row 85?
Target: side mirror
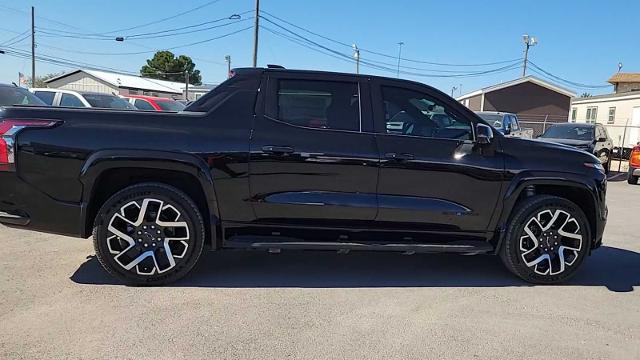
column 484, row 134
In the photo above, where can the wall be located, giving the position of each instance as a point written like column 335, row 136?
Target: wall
column 529, row 101
column 626, row 87
column 474, row 103
column 624, row 116
column 82, row 82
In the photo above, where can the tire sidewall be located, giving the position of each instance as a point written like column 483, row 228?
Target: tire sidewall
column 511, row 253
column 168, row 194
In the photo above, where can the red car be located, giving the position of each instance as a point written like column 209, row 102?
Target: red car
column 153, row 103
column 634, row 166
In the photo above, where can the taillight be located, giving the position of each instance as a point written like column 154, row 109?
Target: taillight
column 9, row 128
column 634, row 158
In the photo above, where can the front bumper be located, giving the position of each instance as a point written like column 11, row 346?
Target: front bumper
column 24, row 206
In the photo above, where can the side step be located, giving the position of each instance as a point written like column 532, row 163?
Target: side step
column 268, row 243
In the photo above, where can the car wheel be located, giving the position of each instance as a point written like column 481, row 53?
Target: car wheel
column 633, row 180
column 148, row 234
column 546, row 240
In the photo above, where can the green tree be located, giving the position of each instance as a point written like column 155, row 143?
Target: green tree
column 166, row 66
column 41, row 80
column 585, row 95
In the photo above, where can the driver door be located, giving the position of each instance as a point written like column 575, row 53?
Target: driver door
column 433, row 176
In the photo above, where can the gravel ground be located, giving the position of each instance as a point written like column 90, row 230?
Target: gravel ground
column 57, row 303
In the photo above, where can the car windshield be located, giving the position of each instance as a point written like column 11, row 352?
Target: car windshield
column 12, row 95
column 107, row 102
column 494, row 120
column 170, row 105
column 569, row 132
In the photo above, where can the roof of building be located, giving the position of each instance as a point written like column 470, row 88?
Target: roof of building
column 605, row 97
column 129, row 81
column 625, row 78
column 531, row 79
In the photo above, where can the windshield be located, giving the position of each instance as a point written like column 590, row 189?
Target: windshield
column 170, row 105
column 12, row 95
column 494, row 120
column 569, row 132
column 107, row 102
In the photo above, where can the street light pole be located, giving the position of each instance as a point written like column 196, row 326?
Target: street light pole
column 356, row 55
column 186, row 85
column 529, row 41
column 399, row 57
column 255, row 34
column 227, row 59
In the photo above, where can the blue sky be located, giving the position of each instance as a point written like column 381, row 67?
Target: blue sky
column 581, row 41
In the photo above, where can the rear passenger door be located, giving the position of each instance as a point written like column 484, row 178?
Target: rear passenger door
column 313, row 155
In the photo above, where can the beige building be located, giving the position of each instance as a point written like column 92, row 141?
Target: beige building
column 620, row 113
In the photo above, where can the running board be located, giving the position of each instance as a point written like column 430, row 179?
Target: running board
column 268, row 243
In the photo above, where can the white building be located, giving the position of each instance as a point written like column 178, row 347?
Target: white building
column 619, row 112
column 115, row 83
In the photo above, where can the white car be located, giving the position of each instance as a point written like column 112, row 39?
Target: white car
column 69, row 98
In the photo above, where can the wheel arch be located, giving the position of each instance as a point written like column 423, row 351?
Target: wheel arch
column 579, row 192
column 106, row 172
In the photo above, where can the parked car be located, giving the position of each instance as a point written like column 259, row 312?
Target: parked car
column 277, row 159
column 154, row 103
column 592, row 138
column 506, row 123
column 81, row 99
column 634, row 166
column 14, row 95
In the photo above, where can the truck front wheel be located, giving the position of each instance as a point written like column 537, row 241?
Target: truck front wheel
column 148, row 234
column 546, row 240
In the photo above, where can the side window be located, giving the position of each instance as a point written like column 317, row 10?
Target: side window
column 71, row 101
column 46, row 96
column 319, row 104
column 409, row 112
column 506, row 123
column 143, row 105
column 514, row 123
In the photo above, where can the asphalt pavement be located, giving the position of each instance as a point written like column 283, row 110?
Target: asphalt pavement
column 57, row 303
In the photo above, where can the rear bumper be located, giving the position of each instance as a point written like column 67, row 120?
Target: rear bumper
column 634, row 171
column 24, row 206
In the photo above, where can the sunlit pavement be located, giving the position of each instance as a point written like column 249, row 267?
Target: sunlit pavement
column 56, row 302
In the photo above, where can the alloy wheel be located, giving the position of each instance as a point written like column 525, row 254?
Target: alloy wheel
column 148, row 236
column 551, row 242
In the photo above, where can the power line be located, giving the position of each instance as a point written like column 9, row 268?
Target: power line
column 382, row 54
column 303, row 41
column 15, row 37
column 572, row 83
column 164, row 19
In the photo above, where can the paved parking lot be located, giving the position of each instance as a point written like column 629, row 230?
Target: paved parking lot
column 56, row 302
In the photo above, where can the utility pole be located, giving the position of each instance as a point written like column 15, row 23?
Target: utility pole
column 255, row 34
column 227, row 59
column 399, row 57
column 356, row 55
column 529, row 41
column 33, row 46
column 186, row 85
column 453, row 89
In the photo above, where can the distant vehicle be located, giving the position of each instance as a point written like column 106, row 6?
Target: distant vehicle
column 506, row 123
column 154, row 103
column 634, row 166
column 81, row 99
column 592, row 138
column 14, row 95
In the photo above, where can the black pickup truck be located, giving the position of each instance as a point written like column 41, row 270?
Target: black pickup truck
column 279, row 159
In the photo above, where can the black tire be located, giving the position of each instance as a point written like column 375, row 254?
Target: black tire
column 182, row 221
column 633, row 180
column 514, row 258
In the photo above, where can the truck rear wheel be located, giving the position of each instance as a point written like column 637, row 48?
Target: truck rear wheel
column 148, row 234
column 547, row 240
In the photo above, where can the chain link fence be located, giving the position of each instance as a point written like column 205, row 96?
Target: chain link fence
column 624, row 133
